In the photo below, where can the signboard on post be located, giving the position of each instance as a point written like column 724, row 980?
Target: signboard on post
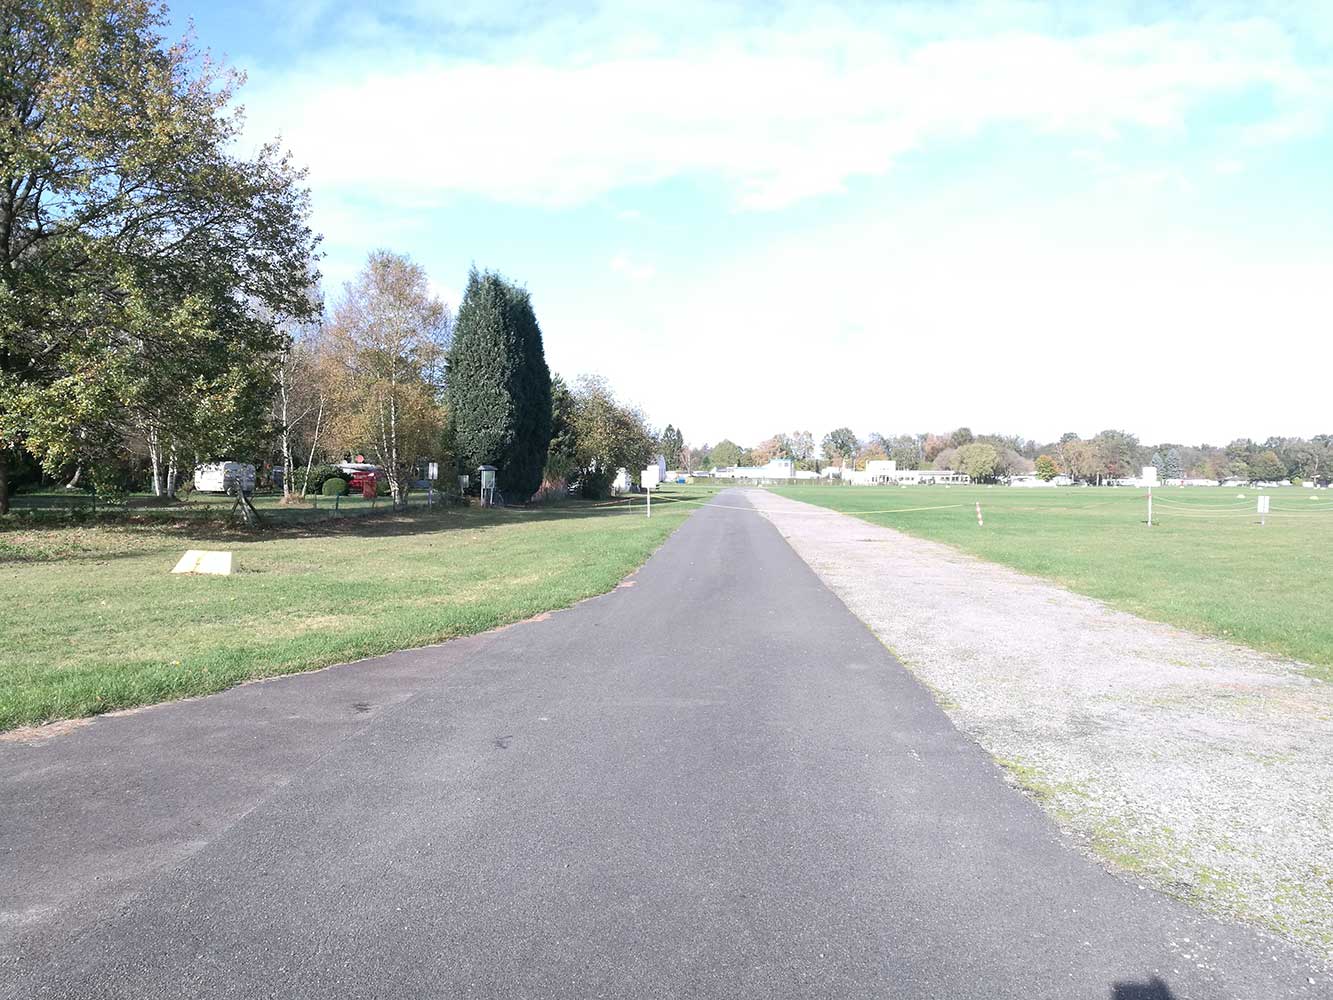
column 1149, row 475
column 649, row 478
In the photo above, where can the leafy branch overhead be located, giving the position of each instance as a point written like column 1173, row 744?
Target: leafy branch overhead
column 145, row 267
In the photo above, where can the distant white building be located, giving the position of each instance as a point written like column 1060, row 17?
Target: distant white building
column 885, row 472
column 932, row 477
column 778, row 468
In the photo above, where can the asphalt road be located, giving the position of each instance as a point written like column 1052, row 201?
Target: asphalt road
column 713, row 782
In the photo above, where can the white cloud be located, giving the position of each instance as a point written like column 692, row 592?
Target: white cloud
column 896, row 327
column 635, row 271
column 779, row 114
column 1123, row 285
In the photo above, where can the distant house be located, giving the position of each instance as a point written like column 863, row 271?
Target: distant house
column 778, row 468
column 932, row 477
column 885, row 472
column 878, row 472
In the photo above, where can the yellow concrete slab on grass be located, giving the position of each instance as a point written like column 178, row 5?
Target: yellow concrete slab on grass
column 204, row 561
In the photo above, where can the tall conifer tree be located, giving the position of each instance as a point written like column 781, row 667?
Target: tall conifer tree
column 499, row 386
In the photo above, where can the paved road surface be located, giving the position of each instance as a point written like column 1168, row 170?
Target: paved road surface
column 713, row 783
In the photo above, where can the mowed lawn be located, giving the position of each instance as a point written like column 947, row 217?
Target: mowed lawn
column 94, row 620
column 1206, row 564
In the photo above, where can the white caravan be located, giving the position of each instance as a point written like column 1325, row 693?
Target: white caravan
column 224, row 477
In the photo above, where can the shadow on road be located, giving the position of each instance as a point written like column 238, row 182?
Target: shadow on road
column 1152, row 989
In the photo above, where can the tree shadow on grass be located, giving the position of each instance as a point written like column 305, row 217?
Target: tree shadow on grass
column 1150, row 989
column 177, row 523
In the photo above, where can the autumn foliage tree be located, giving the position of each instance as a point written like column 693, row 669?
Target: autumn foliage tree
column 387, row 342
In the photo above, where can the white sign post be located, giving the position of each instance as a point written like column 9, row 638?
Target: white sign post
column 1263, row 510
column 1150, row 478
column 649, row 478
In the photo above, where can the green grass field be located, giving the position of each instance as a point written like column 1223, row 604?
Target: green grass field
column 95, row 621
column 1206, row 564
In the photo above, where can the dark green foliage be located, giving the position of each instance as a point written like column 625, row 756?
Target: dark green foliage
column 312, row 480
column 1175, row 464
column 841, row 445
column 726, row 453
column 672, row 442
column 562, row 460
column 499, row 388
column 334, row 486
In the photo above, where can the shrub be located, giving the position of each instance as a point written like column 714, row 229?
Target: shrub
column 552, row 491
column 312, row 480
column 334, row 486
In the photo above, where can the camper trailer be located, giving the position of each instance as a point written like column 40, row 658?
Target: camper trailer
column 224, row 477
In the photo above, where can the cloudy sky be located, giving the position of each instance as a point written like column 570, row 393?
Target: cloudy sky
column 1023, row 217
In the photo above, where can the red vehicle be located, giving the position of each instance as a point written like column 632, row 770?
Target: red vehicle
column 359, row 473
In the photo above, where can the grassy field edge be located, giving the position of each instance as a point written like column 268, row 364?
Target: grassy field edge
column 187, row 637
column 1194, row 571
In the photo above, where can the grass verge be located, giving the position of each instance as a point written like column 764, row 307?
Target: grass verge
column 95, row 621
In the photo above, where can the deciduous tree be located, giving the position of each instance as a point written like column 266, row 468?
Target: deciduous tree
column 607, row 436
column 132, row 238
column 980, row 461
column 802, row 446
column 841, row 445
column 726, row 453
column 388, row 337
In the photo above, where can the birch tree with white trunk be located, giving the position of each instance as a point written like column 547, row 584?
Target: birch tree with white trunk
column 387, row 344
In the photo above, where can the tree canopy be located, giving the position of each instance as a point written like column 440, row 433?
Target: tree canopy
column 386, row 344
column 599, row 436
column 499, row 387
column 144, row 264
column 841, row 445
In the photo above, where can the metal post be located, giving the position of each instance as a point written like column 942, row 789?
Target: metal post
column 980, row 522
column 650, row 502
column 1150, row 506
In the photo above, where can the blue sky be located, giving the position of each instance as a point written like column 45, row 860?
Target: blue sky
column 1024, row 217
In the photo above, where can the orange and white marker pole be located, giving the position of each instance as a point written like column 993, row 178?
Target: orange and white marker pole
column 980, row 522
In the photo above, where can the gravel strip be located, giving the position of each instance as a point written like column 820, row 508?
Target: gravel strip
column 1202, row 767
